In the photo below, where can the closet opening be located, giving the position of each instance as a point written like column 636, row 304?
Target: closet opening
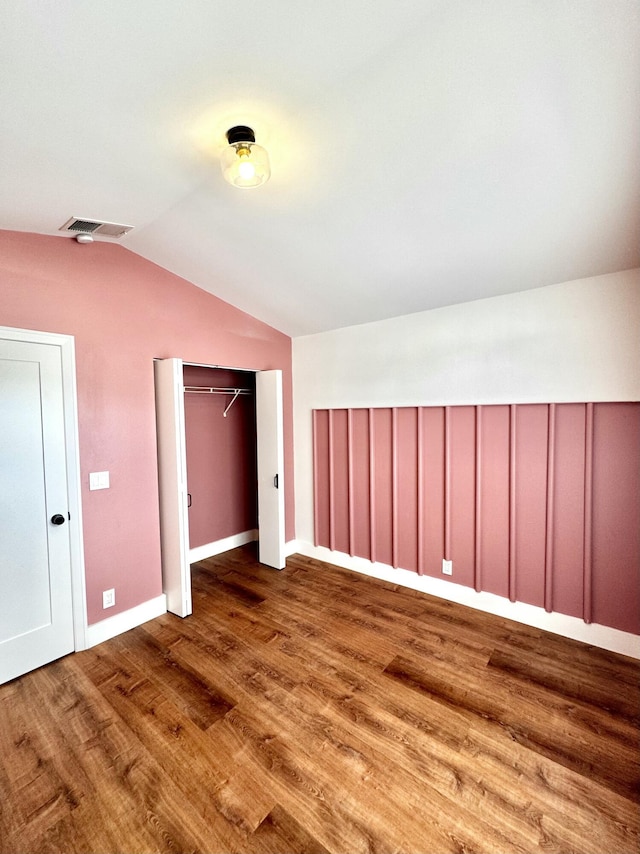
column 220, row 437
column 220, row 468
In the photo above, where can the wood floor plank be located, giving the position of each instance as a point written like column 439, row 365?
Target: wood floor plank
column 524, row 791
column 226, row 589
column 203, row 705
column 566, row 806
column 562, row 733
column 130, row 781
column 43, row 789
column 232, row 667
column 556, row 674
column 360, row 765
column 335, row 808
column 428, row 764
column 216, row 784
column 316, row 710
column 280, row 832
column 125, row 782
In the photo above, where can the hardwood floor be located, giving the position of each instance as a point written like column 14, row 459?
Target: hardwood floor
column 316, row 710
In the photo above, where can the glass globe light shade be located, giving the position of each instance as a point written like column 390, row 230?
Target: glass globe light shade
column 245, row 164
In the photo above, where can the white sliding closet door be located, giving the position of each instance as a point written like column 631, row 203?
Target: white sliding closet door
column 271, row 542
column 172, row 473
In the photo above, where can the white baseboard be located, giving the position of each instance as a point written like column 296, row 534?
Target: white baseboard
column 595, row 634
column 291, row 548
column 116, row 625
column 220, row 546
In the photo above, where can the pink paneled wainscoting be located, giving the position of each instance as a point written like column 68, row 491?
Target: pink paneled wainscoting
column 538, row 503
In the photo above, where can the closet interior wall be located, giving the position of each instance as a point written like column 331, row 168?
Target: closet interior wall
column 221, row 455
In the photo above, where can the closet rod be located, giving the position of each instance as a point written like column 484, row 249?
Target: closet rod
column 201, row 389
column 197, row 389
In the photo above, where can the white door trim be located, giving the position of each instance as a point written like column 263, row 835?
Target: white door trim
column 172, row 483
column 173, row 518
column 66, row 344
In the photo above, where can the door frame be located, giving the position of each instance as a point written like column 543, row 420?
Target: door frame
column 178, row 574
column 66, row 346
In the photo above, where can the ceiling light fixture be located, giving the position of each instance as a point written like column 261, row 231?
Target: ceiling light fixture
column 244, row 164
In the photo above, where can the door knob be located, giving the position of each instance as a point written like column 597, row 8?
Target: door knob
column 58, row 519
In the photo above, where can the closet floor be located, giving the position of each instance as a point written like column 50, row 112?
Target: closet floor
column 317, row 710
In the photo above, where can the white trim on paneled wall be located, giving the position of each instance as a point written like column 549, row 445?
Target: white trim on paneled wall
column 570, row 342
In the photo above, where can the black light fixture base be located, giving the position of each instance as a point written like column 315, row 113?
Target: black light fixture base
column 240, row 133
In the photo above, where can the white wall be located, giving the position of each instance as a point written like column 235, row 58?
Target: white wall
column 577, row 341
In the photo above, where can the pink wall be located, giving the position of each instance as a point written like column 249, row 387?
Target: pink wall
column 221, row 456
column 539, row 503
column 123, row 312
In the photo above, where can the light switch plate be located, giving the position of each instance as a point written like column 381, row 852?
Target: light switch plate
column 99, row 480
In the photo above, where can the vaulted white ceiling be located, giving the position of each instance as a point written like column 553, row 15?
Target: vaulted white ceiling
column 424, row 152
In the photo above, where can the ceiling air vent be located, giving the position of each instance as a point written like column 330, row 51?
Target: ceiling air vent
column 94, row 226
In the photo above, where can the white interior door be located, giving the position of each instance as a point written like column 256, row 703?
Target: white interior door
column 271, row 535
column 172, row 473
column 36, row 607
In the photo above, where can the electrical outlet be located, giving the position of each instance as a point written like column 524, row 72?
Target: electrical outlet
column 109, row 598
column 447, row 567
